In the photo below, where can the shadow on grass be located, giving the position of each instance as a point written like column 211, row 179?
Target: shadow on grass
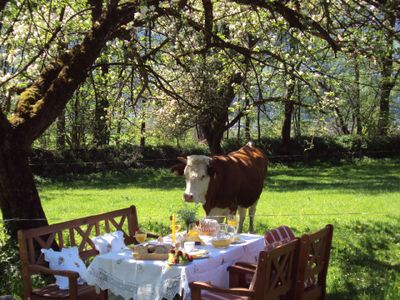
column 365, row 260
column 372, row 177
column 368, row 255
column 142, row 178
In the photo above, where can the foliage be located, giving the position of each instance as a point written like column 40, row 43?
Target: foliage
column 187, row 214
column 126, row 155
column 336, row 67
column 9, row 264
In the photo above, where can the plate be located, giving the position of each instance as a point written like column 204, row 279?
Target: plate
column 199, row 253
column 178, row 265
column 238, row 242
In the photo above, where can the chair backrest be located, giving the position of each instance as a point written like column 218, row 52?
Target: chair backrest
column 278, row 236
column 313, row 265
column 276, row 272
column 76, row 232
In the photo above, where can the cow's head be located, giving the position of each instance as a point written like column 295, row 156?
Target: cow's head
column 197, row 173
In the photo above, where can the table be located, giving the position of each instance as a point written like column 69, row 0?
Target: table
column 134, row 279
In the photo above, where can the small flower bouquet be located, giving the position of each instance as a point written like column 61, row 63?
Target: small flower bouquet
column 187, row 215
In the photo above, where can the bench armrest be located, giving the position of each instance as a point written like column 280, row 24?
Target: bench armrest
column 197, row 286
column 246, row 265
column 72, row 277
column 48, row 271
column 237, row 275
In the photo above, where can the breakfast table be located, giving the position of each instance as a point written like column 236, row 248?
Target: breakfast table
column 124, row 276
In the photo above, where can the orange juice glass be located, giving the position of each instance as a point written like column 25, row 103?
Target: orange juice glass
column 140, row 237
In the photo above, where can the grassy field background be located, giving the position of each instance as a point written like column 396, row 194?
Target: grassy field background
column 361, row 199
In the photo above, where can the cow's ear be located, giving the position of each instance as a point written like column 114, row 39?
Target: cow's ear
column 182, row 159
column 178, row 169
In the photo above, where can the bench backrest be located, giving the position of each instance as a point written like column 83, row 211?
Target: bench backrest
column 77, row 233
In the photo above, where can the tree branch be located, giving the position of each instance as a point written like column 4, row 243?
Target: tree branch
column 208, row 21
column 295, row 19
column 3, row 4
column 43, row 101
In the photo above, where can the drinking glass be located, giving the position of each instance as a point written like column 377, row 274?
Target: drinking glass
column 223, row 229
column 232, row 221
column 140, row 237
column 193, row 230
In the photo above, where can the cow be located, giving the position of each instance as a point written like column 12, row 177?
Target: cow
column 224, row 184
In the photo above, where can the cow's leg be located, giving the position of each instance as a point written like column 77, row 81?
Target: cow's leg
column 252, row 213
column 218, row 214
column 242, row 216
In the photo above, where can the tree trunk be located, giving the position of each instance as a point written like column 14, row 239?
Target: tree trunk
column 17, row 183
column 238, row 130
column 287, row 125
column 357, row 98
column 76, row 127
column 288, row 110
column 342, row 122
column 247, row 123
column 143, row 124
column 385, row 89
column 259, row 124
column 101, row 130
column 214, row 143
column 387, row 81
column 212, row 124
column 61, row 134
column 297, row 115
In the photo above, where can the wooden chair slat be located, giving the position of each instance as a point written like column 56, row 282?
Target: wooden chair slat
column 60, row 239
column 85, row 237
column 97, row 228
column 72, row 236
column 107, row 224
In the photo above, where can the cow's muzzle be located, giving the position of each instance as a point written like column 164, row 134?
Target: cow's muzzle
column 188, row 197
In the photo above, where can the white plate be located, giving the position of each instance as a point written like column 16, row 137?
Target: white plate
column 199, row 253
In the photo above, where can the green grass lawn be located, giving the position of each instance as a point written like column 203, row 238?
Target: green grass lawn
column 361, row 199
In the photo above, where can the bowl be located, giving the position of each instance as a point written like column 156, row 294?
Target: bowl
column 221, row 243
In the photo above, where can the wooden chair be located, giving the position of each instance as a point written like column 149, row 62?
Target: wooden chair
column 272, row 239
column 78, row 233
column 274, row 276
column 313, row 266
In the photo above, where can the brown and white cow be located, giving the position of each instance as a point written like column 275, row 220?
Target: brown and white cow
column 225, row 184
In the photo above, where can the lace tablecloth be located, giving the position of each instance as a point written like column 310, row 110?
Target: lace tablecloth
column 121, row 274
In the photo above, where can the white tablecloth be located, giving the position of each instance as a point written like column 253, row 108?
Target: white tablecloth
column 134, row 279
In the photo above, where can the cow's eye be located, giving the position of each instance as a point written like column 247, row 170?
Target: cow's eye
column 202, row 177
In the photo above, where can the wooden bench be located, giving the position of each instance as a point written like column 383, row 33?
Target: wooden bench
column 77, row 233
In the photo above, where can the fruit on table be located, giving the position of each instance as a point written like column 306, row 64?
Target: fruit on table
column 178, row 257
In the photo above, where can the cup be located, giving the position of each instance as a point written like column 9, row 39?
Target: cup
column 232, row 221
column 223, row 229
column 188, row 246
column 140, row 237
column 193, row 230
